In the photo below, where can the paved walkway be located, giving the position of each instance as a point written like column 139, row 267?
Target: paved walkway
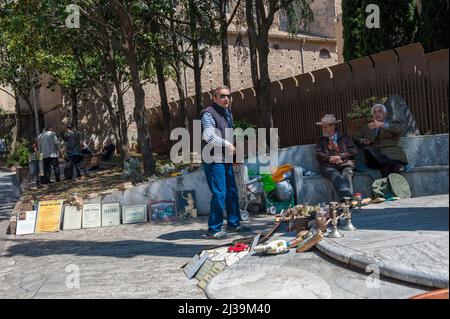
column 126, row 261
column 406, row 239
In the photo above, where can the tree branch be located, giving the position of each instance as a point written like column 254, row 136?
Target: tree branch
column 233, row 13
column 1, row 89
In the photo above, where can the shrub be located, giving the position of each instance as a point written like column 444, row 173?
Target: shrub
column 363, row 109
column 132, row 169
column 20, row 154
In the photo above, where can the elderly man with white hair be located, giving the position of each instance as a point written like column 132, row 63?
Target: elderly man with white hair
column 380, row 141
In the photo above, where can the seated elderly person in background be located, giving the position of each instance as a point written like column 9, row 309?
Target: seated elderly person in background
column 380, row 141
column 108, row 150
column 335, row 153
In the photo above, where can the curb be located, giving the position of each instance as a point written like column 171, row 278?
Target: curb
column 392, row 269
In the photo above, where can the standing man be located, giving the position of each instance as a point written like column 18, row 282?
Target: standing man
column 335, row 153
column 219, row 173
column 72, row 137
column 380, row 141
column 49, row 147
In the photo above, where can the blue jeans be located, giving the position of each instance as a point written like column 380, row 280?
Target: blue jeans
column 225, row 194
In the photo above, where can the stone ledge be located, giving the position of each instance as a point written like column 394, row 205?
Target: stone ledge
column 392, row 269
column 417, row 169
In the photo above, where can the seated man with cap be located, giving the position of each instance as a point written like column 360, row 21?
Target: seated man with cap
column 380, row 141
column 335, row 153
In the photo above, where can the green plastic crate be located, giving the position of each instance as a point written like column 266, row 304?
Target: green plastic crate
column 279, row 206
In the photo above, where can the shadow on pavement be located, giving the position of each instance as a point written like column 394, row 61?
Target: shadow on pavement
column 119, row 249
column 256, row 227
column 404, row 219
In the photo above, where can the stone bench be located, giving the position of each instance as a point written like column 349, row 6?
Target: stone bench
column 428, row 154
column 424, row 181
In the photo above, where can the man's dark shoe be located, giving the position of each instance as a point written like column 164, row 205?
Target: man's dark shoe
column 218, row 235
column 239, row 229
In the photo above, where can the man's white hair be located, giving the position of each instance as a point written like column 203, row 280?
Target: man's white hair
column 380, row 106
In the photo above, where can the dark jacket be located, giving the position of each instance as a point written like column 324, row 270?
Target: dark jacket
column 347, row 152
column 387, row 141
column 222, row 122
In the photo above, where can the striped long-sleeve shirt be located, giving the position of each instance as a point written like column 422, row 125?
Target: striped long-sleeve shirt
column 209, row 134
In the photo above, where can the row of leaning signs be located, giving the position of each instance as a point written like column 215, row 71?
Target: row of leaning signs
column 53, row 215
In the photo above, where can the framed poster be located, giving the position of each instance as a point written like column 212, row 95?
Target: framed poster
column 134, row 214
column 163, row 211
column 186, row 204
column 110, row 214
column 92, row 216
column 49, row 216
column 72, row 218
column 26, row 222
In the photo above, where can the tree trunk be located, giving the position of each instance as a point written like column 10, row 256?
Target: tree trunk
column 159, row 66
column 18, row 118
column 252, row 39
column 114, row 120
column 123, row 126
column 144, row 138
column 167, row 122
column 224, row 40
column 35, row 122
column 120, row 114
column 265, row 96
column 198, row 81
column 74, row 100
column 196, row 58
column 178, row 77
column 182, row 96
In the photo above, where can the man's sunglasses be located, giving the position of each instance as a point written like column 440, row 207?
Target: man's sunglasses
column 222, row 96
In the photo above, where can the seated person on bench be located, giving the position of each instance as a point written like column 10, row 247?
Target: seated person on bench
column 108, row 150
column 380, row 141
column 335, row 153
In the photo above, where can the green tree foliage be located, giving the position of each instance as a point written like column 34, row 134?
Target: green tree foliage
column 398, row 26
column 433, row 32
column 352, row 17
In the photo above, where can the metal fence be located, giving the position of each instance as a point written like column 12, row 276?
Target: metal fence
column 298, row 102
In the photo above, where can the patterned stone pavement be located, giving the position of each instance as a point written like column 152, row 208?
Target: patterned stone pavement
column 126, row 261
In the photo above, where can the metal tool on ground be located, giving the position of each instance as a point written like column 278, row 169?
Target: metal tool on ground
column 335, row 233
column 271, row 232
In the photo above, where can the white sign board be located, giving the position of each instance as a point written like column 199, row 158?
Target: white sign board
column 72, row 218
column 216, row 269
column 92, row 216
column 26, row 223
column 110, row 214
column 134, row 214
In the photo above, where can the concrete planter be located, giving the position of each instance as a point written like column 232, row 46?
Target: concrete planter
column 22, row 173
column 354, row 125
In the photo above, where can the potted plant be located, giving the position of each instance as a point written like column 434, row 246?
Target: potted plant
column 361, row 114
column 19, row 158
